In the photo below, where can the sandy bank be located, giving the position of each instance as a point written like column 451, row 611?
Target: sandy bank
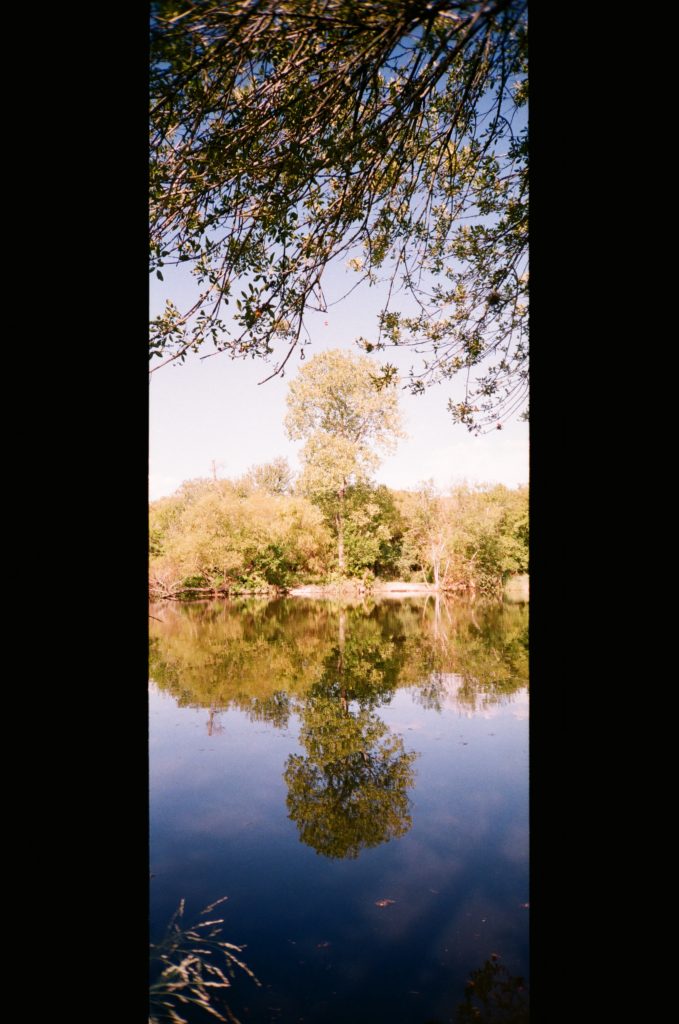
column 395, row 589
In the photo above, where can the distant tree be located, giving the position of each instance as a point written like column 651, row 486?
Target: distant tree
column 373, row 528
column 334, row 406
column 274, row 477
column 490, row 535
column 285, row 135
column 473, row 539
column 222, row 535
column 428, row 533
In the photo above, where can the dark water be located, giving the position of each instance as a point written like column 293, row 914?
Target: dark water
column 308, row 760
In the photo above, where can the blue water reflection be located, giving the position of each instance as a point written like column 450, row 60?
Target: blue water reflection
column 355, row 780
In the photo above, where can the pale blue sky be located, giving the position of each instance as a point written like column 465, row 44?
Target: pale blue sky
column 214, row 409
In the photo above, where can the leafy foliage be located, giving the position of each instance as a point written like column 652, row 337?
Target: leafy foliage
column 334, row 667
column 351, row 790
column 373, row 529
column 273, row 477
column 222, row 534
column 253, row 655
column 334, row 407
column 345, row 421
column 474, row 539
column 233, row 535
column 285, row 136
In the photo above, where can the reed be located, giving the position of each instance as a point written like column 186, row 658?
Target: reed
column 196, row 968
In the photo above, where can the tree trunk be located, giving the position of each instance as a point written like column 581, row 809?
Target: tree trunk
column 435, row 562
column 340, row 531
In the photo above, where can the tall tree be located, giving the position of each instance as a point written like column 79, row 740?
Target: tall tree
column 334, row 405
column 285, row 135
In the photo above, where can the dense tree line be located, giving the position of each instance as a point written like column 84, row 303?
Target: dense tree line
column 264, row 532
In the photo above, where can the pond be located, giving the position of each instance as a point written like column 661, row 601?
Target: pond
column 354, row 778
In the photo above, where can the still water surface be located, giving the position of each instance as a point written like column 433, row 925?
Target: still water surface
column 311, row 761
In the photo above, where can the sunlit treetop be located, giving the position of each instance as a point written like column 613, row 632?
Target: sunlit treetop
column 386, row 135
column 346, row 421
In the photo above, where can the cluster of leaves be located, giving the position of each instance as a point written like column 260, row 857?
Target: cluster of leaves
column 230, row 535
column 373, row 529
column 273, row 477
column 216, row 655
column 285, row 136
column 473, row 539
column 345, row 421
column 349, row 791
column 487, row 654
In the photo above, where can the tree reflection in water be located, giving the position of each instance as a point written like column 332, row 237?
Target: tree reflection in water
column 334, row 666
column 494, row 996
column 328, row 670
column 351, row 790
column 264, row 658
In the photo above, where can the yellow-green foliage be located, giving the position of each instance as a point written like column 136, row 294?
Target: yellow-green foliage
column 345, row 420
column 219, row 533
column 241, row 653
column 247, row 653
column 349, row 791
column 243, row 535
column 474, row 538
column 334, row 406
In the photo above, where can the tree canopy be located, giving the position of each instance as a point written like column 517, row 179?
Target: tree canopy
column 345, row 421
column 386, row 133
column 334, row 406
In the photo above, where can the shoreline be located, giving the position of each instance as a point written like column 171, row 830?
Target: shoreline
column 397, row 588
column 514, row 590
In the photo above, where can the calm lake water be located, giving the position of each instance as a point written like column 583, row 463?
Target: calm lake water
column 312, row 761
